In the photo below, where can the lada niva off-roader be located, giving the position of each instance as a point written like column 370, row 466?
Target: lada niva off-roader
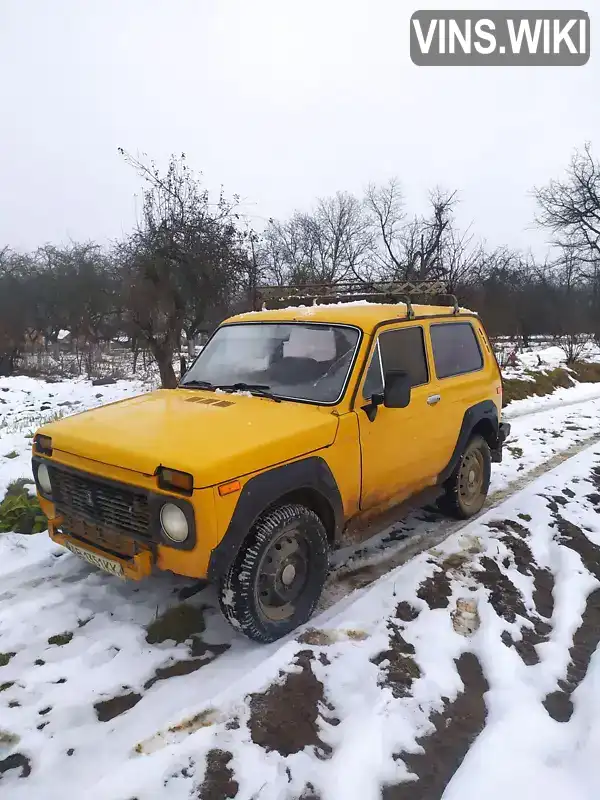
column 289, row 429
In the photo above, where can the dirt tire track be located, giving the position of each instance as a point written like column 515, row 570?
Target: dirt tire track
column 218, row 783
column 285, row 717
column 456, row 728
column 559, row 704
column 343, row 576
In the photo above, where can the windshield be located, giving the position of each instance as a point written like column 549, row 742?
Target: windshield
column 293, row 360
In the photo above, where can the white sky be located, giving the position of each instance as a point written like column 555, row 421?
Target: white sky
column 280, row 101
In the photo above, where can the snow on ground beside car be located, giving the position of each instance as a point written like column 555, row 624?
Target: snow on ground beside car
column 380, row 690
column 541, row 357
column 98, row 695
column 25, row 403
column 559, row 398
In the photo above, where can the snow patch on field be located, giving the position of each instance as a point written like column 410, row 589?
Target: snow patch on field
column 94, row 699
column 26, row 403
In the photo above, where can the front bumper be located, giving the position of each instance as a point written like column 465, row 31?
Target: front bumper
column 503, row 434
column 135, row 568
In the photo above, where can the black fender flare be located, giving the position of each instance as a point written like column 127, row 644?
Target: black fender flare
column 262, row 492
column 486, row 410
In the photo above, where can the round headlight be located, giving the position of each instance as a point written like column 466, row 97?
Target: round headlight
column 174, row 523
column 43, row 477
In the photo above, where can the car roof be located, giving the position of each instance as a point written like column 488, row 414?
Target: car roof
column 361, row 314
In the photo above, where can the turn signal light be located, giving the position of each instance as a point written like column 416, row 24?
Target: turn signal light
column 43, row 444
column 229, row 488
column 175, row 481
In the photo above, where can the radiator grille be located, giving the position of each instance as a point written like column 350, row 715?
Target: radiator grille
column 106, row 504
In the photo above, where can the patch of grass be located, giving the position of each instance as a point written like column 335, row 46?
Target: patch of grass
column 356, row 635
column 315, row 637
column 5, row 658
column 204, row 719
column 12, row 454
column 61, row 639
column 19, row 512
column 454, row 561
column 524, row 517
column 586, row 372
column 517, row 452
column 539, row 385
column 176, row 624
column 5, row 686
column 15, row 488
column 8, row 739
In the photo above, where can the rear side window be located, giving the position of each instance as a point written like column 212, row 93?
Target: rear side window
column 455, row 349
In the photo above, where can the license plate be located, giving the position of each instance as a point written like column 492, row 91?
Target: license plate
column 106, row 564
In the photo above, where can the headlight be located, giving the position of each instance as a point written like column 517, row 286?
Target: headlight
column 43, row 477
column 173, row 522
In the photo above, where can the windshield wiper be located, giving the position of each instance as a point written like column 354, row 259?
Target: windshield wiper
column 258, row 389
column 197, row 385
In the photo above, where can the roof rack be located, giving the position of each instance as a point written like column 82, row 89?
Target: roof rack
column 347, row 291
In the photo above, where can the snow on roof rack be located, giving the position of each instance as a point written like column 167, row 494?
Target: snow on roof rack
column 393, row 292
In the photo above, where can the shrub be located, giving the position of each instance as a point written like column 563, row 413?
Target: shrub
column 19, row 512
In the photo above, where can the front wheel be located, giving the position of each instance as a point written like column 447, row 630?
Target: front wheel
column 467, row 487
column 275, row 582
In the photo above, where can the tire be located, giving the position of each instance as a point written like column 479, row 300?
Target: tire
column 276, row 580
column 467, row 488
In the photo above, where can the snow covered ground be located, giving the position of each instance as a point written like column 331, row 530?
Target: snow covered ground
column 26, row 403
column 115, row 691
column 540, row 357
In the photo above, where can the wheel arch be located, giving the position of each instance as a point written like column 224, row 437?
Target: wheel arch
column 315, row 501
column 308, row 481
column 486, row 428
column 482, row 419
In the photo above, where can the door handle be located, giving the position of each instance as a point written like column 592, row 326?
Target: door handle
column 433, row 399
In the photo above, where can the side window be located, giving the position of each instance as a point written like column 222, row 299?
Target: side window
column 374, row 379
column 455, row 349
column 402, row 349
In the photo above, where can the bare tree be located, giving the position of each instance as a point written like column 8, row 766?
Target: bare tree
column 181, row 264
column 407, row 249
column 461, row 258
column 574, row 345
column 570, row 208
column 328, row 245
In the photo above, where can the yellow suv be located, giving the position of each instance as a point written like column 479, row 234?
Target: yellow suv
column 291, row 429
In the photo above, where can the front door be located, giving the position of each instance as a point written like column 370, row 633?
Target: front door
column 399, row 452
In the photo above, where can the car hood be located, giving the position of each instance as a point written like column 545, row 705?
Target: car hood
column 213, row 436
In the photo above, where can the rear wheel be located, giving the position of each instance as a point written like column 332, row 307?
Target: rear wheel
column 275, row 582
column 467, row 488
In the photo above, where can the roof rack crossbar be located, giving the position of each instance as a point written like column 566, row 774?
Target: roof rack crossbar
column 353, row 290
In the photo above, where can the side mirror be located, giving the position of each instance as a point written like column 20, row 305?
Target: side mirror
column 397, row 389
column 371, row 407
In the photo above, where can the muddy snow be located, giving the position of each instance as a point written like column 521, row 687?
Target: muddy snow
column 448, row 659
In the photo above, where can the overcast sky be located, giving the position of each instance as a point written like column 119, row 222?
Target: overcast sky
column 280, row 101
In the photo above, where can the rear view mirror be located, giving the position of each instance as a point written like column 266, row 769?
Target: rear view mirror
column 397, row 389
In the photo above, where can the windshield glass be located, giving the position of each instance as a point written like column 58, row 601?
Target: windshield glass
column 294, row 360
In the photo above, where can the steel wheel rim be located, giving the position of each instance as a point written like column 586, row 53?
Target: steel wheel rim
column 282, row 575
column 471, row 478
